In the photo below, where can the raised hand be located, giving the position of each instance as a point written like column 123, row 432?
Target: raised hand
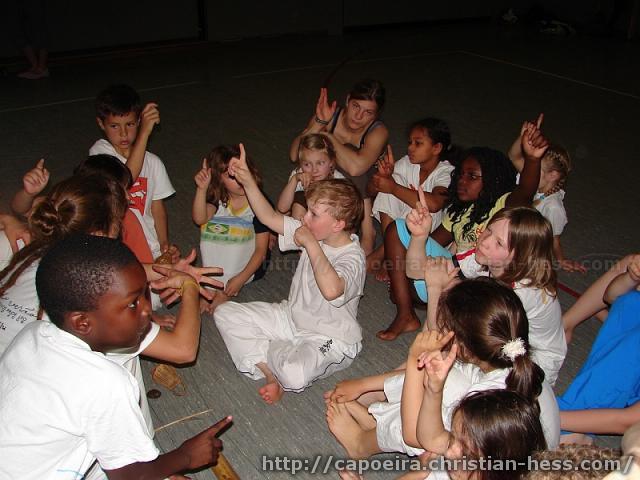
column 324, row 110
column 534, row 144
column 149, row 117
column 204, row 448
column 529, row 123
column 427, row 342
column 386, row 164
column 439, row 273
column 419, row 219
column 304, row 178
column 437, row 367
column 36, row 179
column 239, row 169
column 203, row 177
column 634, row 268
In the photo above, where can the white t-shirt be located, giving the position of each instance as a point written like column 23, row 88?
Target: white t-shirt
column 407, row 174
column 309, row 309
column 63, row 406
column 546, row 333
column 19, row 305
column 228, row 240
column 552, row 208
column 152, row 184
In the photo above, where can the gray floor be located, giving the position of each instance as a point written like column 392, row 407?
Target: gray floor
column 484, row 80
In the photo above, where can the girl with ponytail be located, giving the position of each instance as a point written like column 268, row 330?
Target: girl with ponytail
column 483, row 332
column 89, row 204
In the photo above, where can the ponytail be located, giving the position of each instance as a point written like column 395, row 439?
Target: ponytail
column 526, row 378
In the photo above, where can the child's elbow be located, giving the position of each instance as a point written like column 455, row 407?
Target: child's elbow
column 332, row 293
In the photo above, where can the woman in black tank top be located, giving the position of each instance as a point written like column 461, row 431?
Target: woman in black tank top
column 359, row 138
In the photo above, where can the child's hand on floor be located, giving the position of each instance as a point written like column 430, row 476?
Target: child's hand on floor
column 149, row 118
column 427, row 342
column 203, row 177
column 439, row 273
column 204, row 448
column 324, row 109
column 238, row 168
column 419, row 219
column 36, row 179
column 572, row 266
column 437, row 366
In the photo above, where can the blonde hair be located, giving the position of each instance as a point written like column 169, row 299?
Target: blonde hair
column 342, row 199
column 531, row 240
column 316, row 143
column 558, row 160
column 569, row 458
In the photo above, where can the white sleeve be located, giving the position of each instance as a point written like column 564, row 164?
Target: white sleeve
column 469, row 267
column 442, row 176
column 116, row 432
column 285, row 241
column 5, row 250
column 350, row 267
column 102, row 146
column 557, row 216
column 162, row 185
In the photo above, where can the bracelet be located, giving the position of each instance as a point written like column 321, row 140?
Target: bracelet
column 187, row 282
column 321, row 122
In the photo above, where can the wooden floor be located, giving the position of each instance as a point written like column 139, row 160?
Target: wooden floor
column 483, row 79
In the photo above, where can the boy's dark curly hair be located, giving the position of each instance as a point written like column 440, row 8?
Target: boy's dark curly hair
column 498, row 178
column 77, row 271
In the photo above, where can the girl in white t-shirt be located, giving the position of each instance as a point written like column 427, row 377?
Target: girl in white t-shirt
column 548, row 200
column 316, row 161
column 394, row 184
column 514, row 248
column 489, row 327
column 231, row 236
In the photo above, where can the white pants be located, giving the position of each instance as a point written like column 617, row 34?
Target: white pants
column 260, row 332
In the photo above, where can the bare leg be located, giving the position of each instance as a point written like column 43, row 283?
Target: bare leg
column 591, row 303
column 368, row 233
column 600, row 420
column 375, row 259
column 361, row 414
column 358, row 443
column 271, row 392
column 405, row 319
column 576, row 439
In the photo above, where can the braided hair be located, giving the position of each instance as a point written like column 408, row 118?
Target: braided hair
column 498, row 178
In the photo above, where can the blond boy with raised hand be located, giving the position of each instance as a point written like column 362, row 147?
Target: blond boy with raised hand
column 313, row 333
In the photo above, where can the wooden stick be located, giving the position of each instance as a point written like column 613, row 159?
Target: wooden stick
column 223, row 469
column 188, row 417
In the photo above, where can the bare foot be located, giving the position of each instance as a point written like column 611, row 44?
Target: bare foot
column 361, row 414
column 210, row 307
column 271, row 392
column 346, row 430
column 576, row 438
column 382, row 275
column 401, row 324
column 165, row 320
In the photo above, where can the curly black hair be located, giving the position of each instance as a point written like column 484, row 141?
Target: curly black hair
column 77, row 271
column 498, row 178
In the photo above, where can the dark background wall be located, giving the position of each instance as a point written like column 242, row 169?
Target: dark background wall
column 77, row 25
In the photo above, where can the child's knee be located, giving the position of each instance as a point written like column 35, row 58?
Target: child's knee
column 291, row 376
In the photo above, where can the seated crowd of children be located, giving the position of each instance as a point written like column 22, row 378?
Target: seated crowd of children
column 474, row 234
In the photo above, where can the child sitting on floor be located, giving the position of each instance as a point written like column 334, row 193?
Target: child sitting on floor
column 63, row 402
column 316, row 161
column 315, row 332
column 231, row 236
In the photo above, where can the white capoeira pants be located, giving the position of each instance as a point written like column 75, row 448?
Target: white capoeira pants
column 261, row 332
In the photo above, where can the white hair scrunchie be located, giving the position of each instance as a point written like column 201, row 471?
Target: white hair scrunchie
column 514, row 348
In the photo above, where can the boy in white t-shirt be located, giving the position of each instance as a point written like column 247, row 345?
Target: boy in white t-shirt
column 315, row 332
column 63, row 403
column 127, row 127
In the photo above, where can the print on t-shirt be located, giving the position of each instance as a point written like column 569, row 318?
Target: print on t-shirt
column 138, row 195
column 223, row 230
